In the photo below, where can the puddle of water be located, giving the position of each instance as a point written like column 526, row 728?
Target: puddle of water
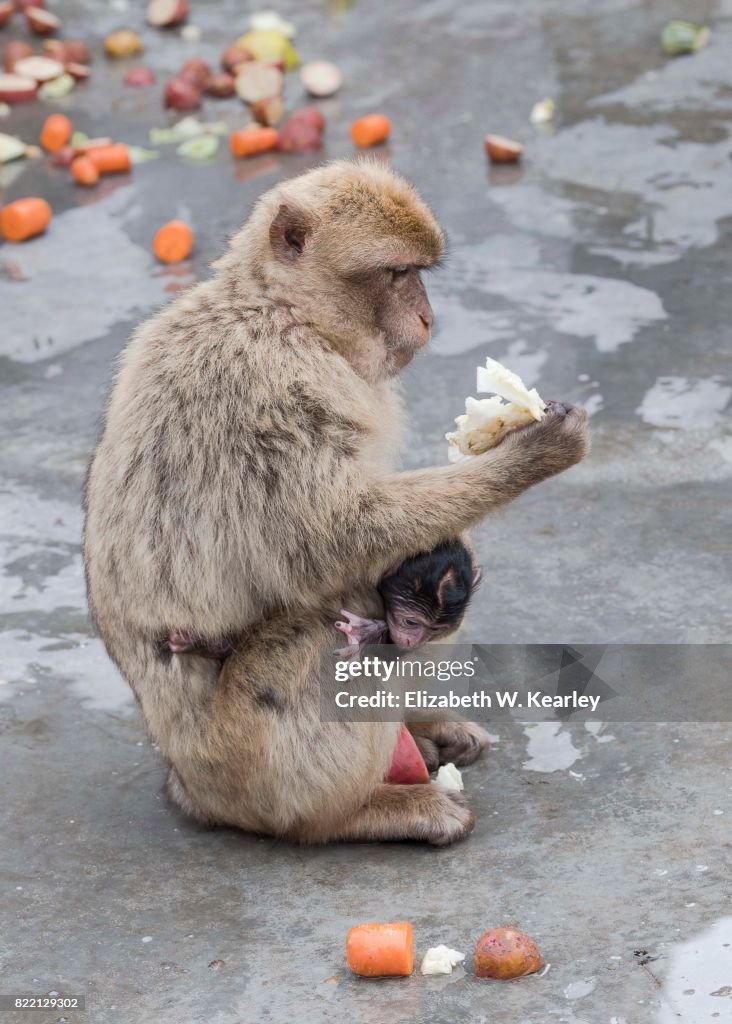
column 549, row 747
column 676, row 402
column 52, row 313
column 697, row 983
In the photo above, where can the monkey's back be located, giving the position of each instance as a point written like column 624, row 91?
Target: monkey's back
column 232, row 433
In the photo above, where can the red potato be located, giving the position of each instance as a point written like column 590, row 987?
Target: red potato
column 258, row 81
column 140, row 77
column 63, row 157
column 40, row 69
column 78, row 71
column 16, row 89
column 501, row 150
column 221, row 85
column 167, row 13
column 407, row 764
column 506, row 953
column 22, row 6
column 302, row 132
column 68, row 51
column 15, row 51
column 42, row 22
column 182, row 95
column 196, row 71
column 7, row 10
column 233, row 57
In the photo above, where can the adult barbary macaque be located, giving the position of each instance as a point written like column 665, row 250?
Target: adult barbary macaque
column 244, row 489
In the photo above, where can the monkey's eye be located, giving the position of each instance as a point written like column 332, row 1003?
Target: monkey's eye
column 397, row 272
column 411, row 622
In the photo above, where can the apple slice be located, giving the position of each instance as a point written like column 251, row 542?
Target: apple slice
column 407, row 764
column 42, row 22
column 78, row 71
column 16, row 89
column 501, row 150
column 40, row 69
column 167, row 13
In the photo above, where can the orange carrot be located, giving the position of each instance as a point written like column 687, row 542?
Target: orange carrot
column 370, row 130
column 250, row 141
column 110, row 159
column 381, row 950
column 173, row 242
column 24, row 218
column 56, row 132
column 84, row 171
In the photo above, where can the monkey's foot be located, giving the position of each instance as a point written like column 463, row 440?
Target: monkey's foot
column 453, row 741
column 188, row 643
column 362, row 632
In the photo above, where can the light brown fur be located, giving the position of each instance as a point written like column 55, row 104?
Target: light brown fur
column 245, row 486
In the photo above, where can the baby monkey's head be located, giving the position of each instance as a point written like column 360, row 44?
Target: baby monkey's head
column 425, row 597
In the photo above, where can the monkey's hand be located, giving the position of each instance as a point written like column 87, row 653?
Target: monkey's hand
column 360, row 632
column 554, row 443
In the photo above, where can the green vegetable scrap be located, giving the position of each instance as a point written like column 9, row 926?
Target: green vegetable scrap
column 684, row 37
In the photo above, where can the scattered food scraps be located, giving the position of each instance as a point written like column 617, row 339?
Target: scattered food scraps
column 440, row 960
column 25, row 218
column 381, row 950
column 110, row 159
column 684, row 37
column 449, row 777
column 202, row 147
column 15, row 51
column 258, row 80
column 269, row 44
column 173, row 243
column 167, row 13
column 506, row 953
column 407, row 764
column 56, row 132
column 182, row 95
column 302, row 132
column 7, row 10
column 266, row 21
column 11, row 148
column 84, row 172
column 321, row 78
column 140, row 77
column 40, row 69
column 123, row 43
column 371, row 130
column 41, row 21
column 17, row 89
column 543, row 111
column 57, row 87
column 501, row 150
column 184, row 129
column 252, row 141
column 486, row 421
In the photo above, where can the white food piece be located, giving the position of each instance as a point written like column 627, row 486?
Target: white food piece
column 40, row 69
column 542, row 111
column 486, row 421
column 190, row 33
column 321, row 78
column 270, row 21
column 440, row 960
column 450, row 777
column 499, row 380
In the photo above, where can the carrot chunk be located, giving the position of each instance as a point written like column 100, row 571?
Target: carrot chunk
column 371, row 130
column 24, row 218
column 56, row 132
column 111, row 159
column 173, row 242
column 84, row 171
column 381, row 950
column 250, row 141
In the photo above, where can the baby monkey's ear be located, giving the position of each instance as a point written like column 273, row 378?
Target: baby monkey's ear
column 477, row 577
column 291, row 231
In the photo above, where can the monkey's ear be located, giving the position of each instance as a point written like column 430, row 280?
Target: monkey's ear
column 290, row 232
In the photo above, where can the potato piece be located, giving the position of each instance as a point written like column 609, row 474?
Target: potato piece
column 450, row 777
column 123, row 43
column 506, row 953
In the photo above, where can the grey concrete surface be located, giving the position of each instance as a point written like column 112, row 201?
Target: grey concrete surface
column 599, row 270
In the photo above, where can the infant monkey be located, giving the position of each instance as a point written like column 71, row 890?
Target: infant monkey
column 424, row 599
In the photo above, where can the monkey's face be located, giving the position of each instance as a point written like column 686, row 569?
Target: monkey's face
column 403, row 313
column 411, row 627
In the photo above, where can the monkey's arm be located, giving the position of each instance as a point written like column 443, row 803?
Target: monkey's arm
column 409, row 512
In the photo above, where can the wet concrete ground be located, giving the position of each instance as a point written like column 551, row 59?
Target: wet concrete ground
column 599, row 270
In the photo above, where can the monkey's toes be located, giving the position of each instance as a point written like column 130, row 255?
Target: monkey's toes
column 454, row 820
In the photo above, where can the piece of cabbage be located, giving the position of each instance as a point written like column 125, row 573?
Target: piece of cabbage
column 449, row 777
column 440, row 960
column 487, row 420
